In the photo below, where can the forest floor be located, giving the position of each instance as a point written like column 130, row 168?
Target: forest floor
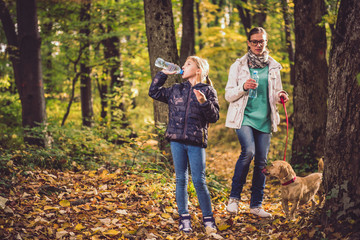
column 135, row 203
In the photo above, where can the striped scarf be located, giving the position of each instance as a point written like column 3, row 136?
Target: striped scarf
column 258, row 61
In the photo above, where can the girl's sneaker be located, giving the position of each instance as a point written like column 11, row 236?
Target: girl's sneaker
column 185, row 223
column 209, row 224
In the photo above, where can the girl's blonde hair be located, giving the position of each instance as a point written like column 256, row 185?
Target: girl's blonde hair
column 204, row 66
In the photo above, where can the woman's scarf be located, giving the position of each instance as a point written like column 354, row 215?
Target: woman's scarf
column 258, row 61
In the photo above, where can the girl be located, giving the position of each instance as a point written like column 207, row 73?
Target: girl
column 193, row 104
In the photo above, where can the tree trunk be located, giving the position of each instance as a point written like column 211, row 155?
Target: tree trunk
column 188, row 31
column 103, row 93
column 220, row 4
column 310, row 88
column 30, row 84
column 12, row 42
column 198, row 20
column 117, row 81
column 342, row 145
column 260, row 13
column 289, row 44
column 160, row 32
column 47, row 31
column 85, row 87
column 245, row 17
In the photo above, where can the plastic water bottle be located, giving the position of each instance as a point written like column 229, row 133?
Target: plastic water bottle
column 161, row 63
column 253, row 92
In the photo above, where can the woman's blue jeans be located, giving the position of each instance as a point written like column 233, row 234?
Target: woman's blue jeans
column 253, row 143
column 182, row 154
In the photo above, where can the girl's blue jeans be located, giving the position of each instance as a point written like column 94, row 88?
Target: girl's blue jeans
column 253, row 143
column 182, row 154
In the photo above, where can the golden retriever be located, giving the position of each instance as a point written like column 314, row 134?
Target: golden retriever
column 297, row 190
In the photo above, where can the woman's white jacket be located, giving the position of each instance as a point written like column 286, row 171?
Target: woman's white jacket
column 238, row 97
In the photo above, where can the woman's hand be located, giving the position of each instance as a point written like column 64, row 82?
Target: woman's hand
column 200, row 96
column 283, row 95
column 250, row 84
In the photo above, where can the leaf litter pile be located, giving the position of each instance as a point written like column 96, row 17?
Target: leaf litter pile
column 130, row 203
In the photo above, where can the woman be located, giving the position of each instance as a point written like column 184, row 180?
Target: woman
column 192, row 106
column 253, row 118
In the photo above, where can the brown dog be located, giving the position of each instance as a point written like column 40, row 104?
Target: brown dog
column 297, row 190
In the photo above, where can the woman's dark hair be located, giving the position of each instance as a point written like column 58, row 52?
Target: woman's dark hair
column 255, row 31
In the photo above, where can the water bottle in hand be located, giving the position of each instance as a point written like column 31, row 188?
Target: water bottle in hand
column 253, row 92
column 161, row 63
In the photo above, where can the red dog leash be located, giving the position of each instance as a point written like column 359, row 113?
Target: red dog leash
column 287, row 126
column 287, row 135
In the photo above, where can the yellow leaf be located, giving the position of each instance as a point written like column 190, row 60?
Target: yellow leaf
column 111, row 232
column 110, row 200
column 86, row 207
column 169, row 209
column 166, row 215
column 64, row 203
column 223, row 227
column 112, row 175
column 276, row 221
column 103, row 174
column 79, row 227
column 110, row 208
column 66, row 225
column 50, row 208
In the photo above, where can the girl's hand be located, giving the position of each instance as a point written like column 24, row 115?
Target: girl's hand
column 200, row 96
column 283, row 95
column 250, row 84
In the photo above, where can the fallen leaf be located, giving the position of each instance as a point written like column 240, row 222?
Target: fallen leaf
column 3, row 202
column 250, row 228
column 215, row 236
column 169, row 209
column 79, row 227
column 111, row 233
column 223, row 227
column 165, row 215
column 105, row 221
column 122, row 212
column 61, row 234
column 312, row 232
column 64, row 203
column 50, row 208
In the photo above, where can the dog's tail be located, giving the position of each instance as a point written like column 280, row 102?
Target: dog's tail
column 321, row 165
column 321, row 191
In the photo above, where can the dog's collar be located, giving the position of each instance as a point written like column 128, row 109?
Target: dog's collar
column 288, row 182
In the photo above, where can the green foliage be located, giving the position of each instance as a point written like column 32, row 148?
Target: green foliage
column 10, row 121
column 332, row 9
column 123, row 140
column 85, row 148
